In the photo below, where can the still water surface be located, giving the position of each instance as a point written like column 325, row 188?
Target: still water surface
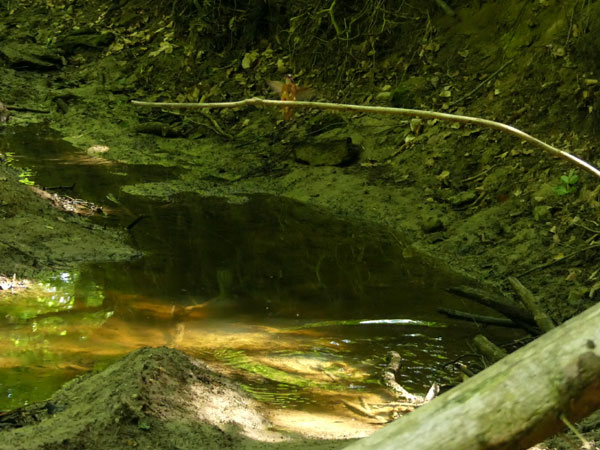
column 295, row 304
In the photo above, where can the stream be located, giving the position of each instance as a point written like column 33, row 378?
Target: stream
column 298, row 306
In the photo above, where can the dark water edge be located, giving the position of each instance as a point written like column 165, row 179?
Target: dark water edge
column 279, row 292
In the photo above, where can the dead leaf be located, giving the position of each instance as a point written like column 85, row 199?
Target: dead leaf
column 416, row 125
column 444, row 175
column 165, row 47
column 446, row 93
column 573, row 274
column 248, row 59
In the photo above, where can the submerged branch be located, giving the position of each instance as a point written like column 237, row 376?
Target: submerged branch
column 478, row 318
column 255, row 101
column 556, row 374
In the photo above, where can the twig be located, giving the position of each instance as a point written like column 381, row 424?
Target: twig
column 495, row 301
column 24, row 109
column 480, row 174
column 363, row 411
column 332, row 17
column 389, row 379
column 217, row 127
column 483, row 83
column 542, row 319
column 478, row 318
column 591, row 230
column 255, row 101
column 570, row 25
column 555, row 261
column 586, row 445
column 137, row 220
column 397, row 152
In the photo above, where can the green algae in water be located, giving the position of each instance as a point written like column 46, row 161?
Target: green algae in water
column 278, row 394
column 240, row 360
column 291, row 387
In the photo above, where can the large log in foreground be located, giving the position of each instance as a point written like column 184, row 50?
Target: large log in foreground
column 512, row 404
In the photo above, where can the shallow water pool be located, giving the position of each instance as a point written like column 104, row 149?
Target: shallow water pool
column 298, row 306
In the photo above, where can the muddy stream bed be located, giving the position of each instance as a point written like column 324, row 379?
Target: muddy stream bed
column 294, row 304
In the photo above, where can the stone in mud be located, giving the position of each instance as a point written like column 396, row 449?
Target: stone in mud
column 410, row 93
column 328, row 152
column 26, row 56
column 542, row 213
column 462, row 198
column 432, row 224
column 89, row 39
column 158, row 129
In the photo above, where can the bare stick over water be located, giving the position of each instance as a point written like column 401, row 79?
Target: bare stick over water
column 255, row 101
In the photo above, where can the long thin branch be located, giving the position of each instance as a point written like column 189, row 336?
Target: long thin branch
column 385, row 110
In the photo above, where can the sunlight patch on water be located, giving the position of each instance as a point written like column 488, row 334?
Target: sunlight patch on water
column 72, row 324
column 277, row 360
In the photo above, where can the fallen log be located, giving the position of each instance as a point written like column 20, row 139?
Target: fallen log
column 512, row 404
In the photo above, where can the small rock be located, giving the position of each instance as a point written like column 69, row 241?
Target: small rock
column 91, row 39
column 158, row 129
column 328, row 152
column 432, row 225
column 29, row 56
column 462, row 198
column 542, row 213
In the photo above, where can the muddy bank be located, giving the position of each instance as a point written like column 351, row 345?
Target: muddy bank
column 488, row 205
column 36, row 238
column 153, row 398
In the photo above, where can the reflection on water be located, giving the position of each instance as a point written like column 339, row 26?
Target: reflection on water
column 299, row 307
